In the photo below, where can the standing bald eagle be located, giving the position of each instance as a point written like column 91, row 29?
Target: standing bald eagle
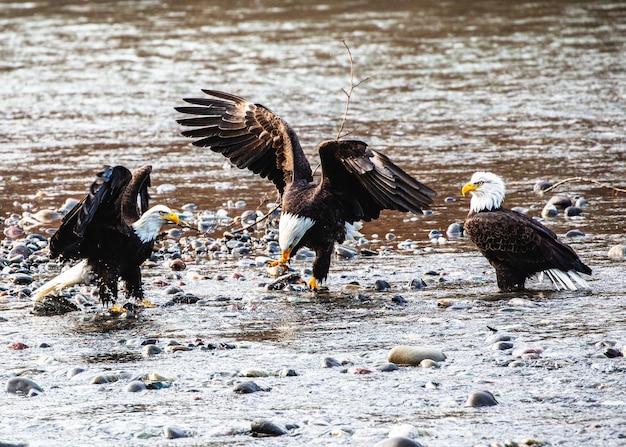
column 356, row 182
column 516, row 245
column 109, row 232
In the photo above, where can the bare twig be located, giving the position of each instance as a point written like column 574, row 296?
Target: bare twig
column 584, row 179
column 268, row 214
column 349, row 92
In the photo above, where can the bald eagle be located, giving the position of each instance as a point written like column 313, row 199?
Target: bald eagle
column 356, row 182
column 112, row 231
column 516, row 245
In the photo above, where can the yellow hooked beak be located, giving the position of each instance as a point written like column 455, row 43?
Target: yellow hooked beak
column 171, row 217
column 468, row 187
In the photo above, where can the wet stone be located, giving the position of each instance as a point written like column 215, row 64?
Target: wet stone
column 549, row 211
column 573, row 211
column 398, row 441
column 21, row 279
column 344, row 252
column 74, row 371
column 135, row 386
column 541, row 185
column 612, row 353
column 150, row 350
column 173, row 432
column 481, row 399
column 574, row 233
column 381, row 285
column 617, row 253
column 287, row 372
column 264, row 427
column 387, row 367
column 560, row 201
column 502, row 346
column 434, row 234
column 417, row 284
column 251, row 372
column 454, row 230
column 329, row 362
column 413, row 355
column 22, row 385
column 247, row 388
column 399, row 299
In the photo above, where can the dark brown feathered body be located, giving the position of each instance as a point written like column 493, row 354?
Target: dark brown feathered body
column 518, row 246
column 99, row 230
column 357, row 183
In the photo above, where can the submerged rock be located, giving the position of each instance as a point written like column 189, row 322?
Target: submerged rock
column 22, row 385
column 617, row 253
column 398, row 441
column 264, row 427
column 481, row 399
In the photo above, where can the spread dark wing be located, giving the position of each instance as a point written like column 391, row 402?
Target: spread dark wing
column 516, row 239
column 99, row 208
column 367, row 182
column 249, row 135
column 135, row 200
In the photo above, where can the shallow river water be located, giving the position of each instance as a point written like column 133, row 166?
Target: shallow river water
column 529, row 90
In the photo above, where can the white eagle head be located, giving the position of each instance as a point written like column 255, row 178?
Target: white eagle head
column 147, row 227
column 487, row 191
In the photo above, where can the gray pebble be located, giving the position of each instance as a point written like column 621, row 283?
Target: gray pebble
column 541, row 185
column 381, row 285
column 454, row 230
column 481, row 399
column 398, row 441
column 573, row 211
column 502, row 346
column 387, row 367
column 574, row 233
column 21, row 279
column 417, row 284
column 549, row 211
column 74, row 371
column 264, row 427
column 135, row 386
column 287, row 372
column 494, row 338
column 560, row 201
column 173, row 432
column 617, row 253
column 434, row 234
column 329, row 362
column 150, row 350
column 413, row 355
column 21, row 385
column 247, row 388
column 344, row 252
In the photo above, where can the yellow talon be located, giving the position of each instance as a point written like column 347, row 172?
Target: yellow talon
column 313, row 285
column 146, row 303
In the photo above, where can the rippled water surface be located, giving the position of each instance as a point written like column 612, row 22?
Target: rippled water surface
column 529, row 90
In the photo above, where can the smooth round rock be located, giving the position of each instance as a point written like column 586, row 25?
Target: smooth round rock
column 454, row 230
column 150, row 350
column 417, row 284
column 21, row 385
column 329, row 362
column 560, row 201
column 265, row 427
column 574, row 233
column 413, row 355
column 173, row 432
column 617, row 253
column 398, row 441
column 572, row 211
column 428, row 363
column 549, row 211
column 502, row 346
column 246, row 388
column 541, row 185
column 481, row 399
column 135, row 386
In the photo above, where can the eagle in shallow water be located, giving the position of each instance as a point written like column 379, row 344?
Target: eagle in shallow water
column 112, row 231
column 356, row 182
column 516, row 245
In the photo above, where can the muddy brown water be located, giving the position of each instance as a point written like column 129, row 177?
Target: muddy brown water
column 529, row 90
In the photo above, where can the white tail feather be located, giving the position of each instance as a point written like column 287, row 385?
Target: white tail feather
column 579, row 279
column 77, row 274
column 563, row 280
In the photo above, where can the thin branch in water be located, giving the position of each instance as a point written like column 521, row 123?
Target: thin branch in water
column 584, row 179
column 349, row 92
